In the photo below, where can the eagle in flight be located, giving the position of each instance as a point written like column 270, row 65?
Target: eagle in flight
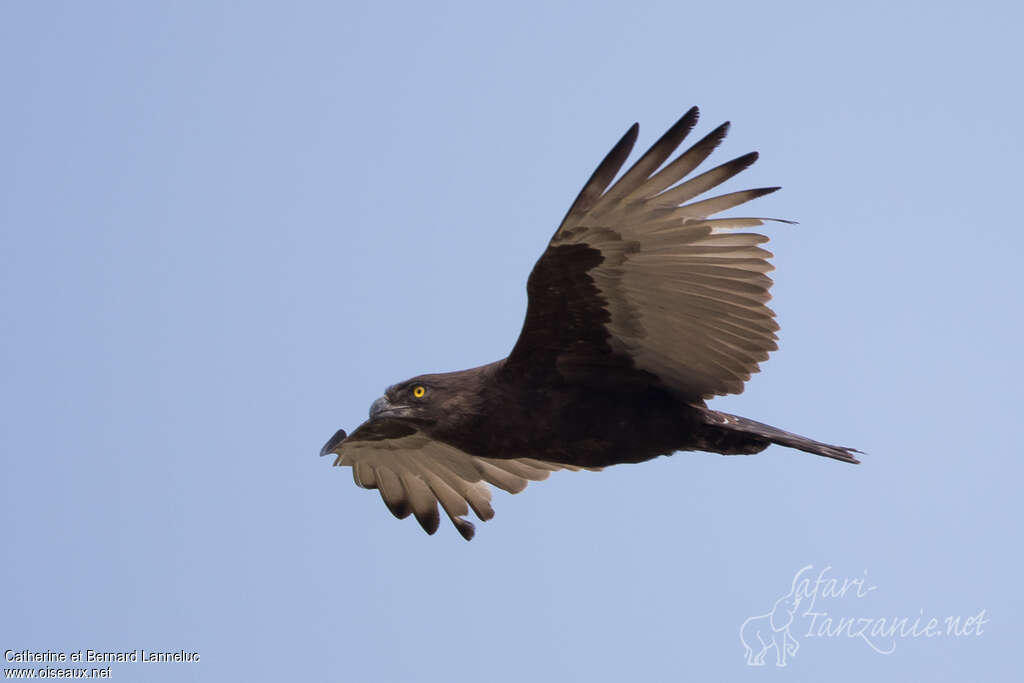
column 642, row 307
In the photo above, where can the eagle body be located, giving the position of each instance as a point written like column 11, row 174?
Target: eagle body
column 564, row 422
column 572, row 424
column 642, row 307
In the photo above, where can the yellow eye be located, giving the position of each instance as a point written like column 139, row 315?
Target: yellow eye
column 418, row 391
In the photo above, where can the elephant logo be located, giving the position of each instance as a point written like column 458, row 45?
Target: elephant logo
column 765, row 631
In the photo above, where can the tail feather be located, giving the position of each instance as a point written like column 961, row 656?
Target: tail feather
column 760, row 431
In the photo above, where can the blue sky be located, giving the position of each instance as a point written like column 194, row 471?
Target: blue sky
column 226, row 228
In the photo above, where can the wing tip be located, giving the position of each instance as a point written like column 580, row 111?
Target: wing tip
column 333, row 442
column 465, row 528
column 430, row 523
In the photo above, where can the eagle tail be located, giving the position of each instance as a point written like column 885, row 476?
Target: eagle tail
column 735, row 432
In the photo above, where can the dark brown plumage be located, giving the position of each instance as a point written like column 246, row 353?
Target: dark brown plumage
column 641, row 308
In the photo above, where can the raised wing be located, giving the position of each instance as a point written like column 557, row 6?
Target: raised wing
column 414, row 472
column 640, row 277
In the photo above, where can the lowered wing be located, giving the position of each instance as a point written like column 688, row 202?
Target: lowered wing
column 414, row 472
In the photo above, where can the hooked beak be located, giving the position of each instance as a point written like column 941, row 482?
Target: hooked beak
column 382, row 407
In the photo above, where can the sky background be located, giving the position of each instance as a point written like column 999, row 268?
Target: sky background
column 226, row 228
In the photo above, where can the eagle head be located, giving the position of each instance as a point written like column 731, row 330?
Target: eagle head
column 417, row 399
column 438, row 405
column 435, row 401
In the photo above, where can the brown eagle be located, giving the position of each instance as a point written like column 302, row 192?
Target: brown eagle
column 641, row 307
